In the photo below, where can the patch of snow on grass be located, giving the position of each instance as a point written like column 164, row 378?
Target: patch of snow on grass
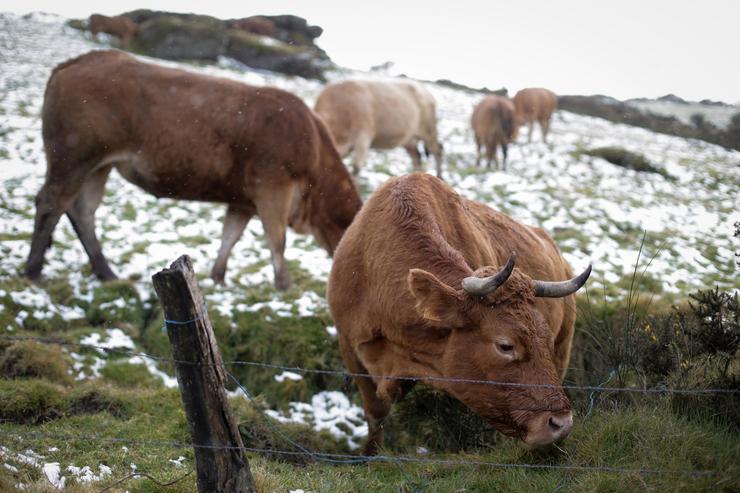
column 328, row 410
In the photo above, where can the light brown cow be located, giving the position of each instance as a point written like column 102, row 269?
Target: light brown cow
column 535, row 105
column 364, row 114
column 187, row 136
column 120, row 26
column 421, row 290
column 493, row 125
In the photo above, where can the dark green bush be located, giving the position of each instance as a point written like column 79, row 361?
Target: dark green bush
column 626, row 159
column 29, row 359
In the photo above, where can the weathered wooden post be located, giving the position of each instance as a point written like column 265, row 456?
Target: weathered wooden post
column 202, row 383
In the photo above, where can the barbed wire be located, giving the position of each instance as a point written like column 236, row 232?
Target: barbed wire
column 344, row 373
column 378, row 458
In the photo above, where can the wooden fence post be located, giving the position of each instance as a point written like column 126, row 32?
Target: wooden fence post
column 202, row 384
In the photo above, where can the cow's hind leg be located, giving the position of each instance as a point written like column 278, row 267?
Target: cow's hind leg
column 273, row 208
column 376, row 409
column 234, row 223
column 545, row 127
column 412, row 148
column 82, row 217
column 361, row 147
column 55, row 197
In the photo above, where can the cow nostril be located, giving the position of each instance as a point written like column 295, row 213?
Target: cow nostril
column 554, row 424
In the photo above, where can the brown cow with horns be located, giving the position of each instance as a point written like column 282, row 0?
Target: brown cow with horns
column 187, row 136
column 425, row 287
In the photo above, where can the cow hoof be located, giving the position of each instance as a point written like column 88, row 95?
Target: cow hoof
column 106, row 275
column 218, row 277
column 32, row 274
column 282, row 282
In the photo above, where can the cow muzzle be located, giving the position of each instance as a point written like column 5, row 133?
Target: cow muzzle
column 548, row 427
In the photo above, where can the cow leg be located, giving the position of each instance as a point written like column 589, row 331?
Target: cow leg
column 478, row 152
column 545, row 127
column 413, row 150
column 273, row 209
column 436, row 150
column 505, row 151
column 82, row 217
column 376, row 409
column 234, row 223
column 531, row 129
column 362, row 145
column 53, row 200
column 490, row 154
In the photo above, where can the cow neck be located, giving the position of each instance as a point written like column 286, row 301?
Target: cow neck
column 420, row 346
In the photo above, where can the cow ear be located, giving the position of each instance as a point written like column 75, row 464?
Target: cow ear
column 437, row 302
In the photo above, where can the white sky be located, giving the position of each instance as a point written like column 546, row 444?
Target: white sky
column 625, row 48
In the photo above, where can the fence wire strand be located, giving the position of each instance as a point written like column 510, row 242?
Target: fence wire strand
column 381, row 458
column 426, row 378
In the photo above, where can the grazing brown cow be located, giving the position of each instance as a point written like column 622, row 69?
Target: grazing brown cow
column 535, row 105
column 493, row 125
column 380, row 114
column 421, row 288
column 187, row 136
column 119, row 26
column 255, row 24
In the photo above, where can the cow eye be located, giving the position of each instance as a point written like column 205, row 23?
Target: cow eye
column 505, row 348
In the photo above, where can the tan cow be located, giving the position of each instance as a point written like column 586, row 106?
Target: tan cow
column 494, row 125
column 421, row 290
column 120, row 26
column 187, row 136
column 364, row 114
column 535, row 105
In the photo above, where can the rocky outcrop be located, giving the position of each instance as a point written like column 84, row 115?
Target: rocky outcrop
column 176, row 37
column 617, row 111
column 282, row 43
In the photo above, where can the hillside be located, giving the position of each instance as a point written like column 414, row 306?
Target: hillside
column 677, row 226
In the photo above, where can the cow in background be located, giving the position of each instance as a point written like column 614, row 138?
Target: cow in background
column 494, row 126
column 535, row 105
column 425, row 287
column 120, row 26
column 186, row 136
column 255, row 24
column 364, row 114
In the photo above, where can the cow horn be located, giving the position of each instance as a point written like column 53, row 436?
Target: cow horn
column 544, row 289
column 481, row 286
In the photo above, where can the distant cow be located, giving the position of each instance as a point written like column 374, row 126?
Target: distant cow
column 256, row 24
column 535, row 105
column 383, row 115
column 493, row 125
column 120, row 26
column 424, row 287
column 187, row 136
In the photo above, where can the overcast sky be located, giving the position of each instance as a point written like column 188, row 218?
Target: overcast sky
column 626, row 48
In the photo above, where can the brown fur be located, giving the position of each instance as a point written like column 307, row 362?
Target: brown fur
column 187, row 136
column 493, row 126
column 396, row 298
column 256, row 24
column 120, row 26
column 364, row 114
column 535, row 105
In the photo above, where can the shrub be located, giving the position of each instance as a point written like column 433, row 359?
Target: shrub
column 626, row 159
column 698, row 120
column 29, row 359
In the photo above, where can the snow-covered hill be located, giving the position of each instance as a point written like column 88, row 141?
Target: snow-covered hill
column 597, row 211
